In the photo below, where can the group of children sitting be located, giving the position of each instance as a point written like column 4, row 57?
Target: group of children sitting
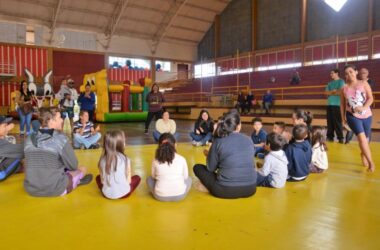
column 51, row 166
column 289, row 157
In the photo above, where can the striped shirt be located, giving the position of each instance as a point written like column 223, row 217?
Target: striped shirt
column 87, row 129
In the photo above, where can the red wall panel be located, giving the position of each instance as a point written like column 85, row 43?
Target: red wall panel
column 75, row 64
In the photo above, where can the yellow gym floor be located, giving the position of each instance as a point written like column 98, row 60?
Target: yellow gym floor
column 335, row 210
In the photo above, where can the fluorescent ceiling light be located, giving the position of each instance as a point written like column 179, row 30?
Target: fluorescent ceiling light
column 336, row 4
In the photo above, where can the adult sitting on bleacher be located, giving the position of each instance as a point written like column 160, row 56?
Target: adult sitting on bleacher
column 240, row 105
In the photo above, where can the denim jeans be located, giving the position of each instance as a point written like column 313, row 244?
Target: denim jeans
column 25, row 119
column 201, row 138
column 87, row 142
column 156, row 135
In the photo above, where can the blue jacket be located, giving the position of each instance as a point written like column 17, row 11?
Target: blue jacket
column 87, row 103
column 299, row 158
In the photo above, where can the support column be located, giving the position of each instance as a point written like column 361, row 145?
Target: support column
column 153, row 70
column 303, row 28
column 370, row 28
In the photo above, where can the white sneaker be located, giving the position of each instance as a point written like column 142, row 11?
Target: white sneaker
column 194, row 143
column 207, row 143
column 198, row 143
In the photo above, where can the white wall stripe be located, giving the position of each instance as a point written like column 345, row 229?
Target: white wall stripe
column 2, row 94
column 19, row 63
column 36, row 52
column 42, row 61
column 8, row 60
column 30, row 54
column 9, row 94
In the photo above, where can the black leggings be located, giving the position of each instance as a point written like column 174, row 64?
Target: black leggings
column 157, row 116
column 209, row 180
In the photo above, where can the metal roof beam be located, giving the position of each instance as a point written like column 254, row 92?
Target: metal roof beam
column 54, row 20
column 112, row 25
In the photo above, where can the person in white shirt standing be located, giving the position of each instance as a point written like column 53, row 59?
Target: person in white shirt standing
column 165, row 125
column 170, row 179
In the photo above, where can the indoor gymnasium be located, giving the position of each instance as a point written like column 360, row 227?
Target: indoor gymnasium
column 190, row 124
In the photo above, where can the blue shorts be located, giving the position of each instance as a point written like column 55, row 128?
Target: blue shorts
column 359, row 125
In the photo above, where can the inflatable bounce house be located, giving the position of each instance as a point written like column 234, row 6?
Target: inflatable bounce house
column 119, row 101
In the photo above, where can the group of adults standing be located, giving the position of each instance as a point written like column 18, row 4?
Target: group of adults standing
column 349, row 105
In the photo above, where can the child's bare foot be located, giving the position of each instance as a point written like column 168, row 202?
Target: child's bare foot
column 371, row 168
column 199, row 186
column 364, row 160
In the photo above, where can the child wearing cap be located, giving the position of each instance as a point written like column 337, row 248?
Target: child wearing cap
column 11, row 154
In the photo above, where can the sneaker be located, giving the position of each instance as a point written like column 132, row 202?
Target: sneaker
column 85, row 180
column 146, row 132
column 194, row 143
column 198, row 143
column 207, row 143
column 261, row 155
column 94, row 146
column 341, row 141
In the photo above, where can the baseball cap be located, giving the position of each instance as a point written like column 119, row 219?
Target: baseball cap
column 4, row 119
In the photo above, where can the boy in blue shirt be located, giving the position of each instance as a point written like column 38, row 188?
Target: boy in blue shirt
column 298, row 154
column 259, row 136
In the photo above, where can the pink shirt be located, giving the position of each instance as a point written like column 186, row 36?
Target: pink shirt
column 356, row 97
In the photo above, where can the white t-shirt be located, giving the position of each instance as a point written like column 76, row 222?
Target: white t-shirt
column 319, row 157
column 170, row 179
column 116, row 184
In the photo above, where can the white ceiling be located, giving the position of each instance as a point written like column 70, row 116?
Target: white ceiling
column 184, row 21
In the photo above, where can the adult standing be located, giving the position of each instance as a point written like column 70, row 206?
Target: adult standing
column 267, row 101
column 355, row 110
column 155, row 99
column 230, row 171
column 87, row 101
column 24, row 107
column 334, row 121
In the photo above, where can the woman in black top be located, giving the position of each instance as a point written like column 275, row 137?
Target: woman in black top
column 25, row 107
column 203, row 129
column 230, row 171
column 155, row 99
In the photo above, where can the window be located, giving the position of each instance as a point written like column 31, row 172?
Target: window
column 163, row 66
column 132, row 63
column 204, row 70
column 336, row 4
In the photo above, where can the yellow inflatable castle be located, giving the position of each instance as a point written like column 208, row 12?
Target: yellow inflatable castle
column 117, row 102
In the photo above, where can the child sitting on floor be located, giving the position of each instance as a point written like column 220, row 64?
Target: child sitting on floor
column 298, row 154
column 275, row 170
column 51, row 167
column 280, row 129
column 115, row 179
column 259, row 136
column 11, row 153
column 319, row 160
column 170, row 180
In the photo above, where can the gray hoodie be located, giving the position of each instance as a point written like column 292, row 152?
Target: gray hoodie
column 47, row 154
column 276, row 164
